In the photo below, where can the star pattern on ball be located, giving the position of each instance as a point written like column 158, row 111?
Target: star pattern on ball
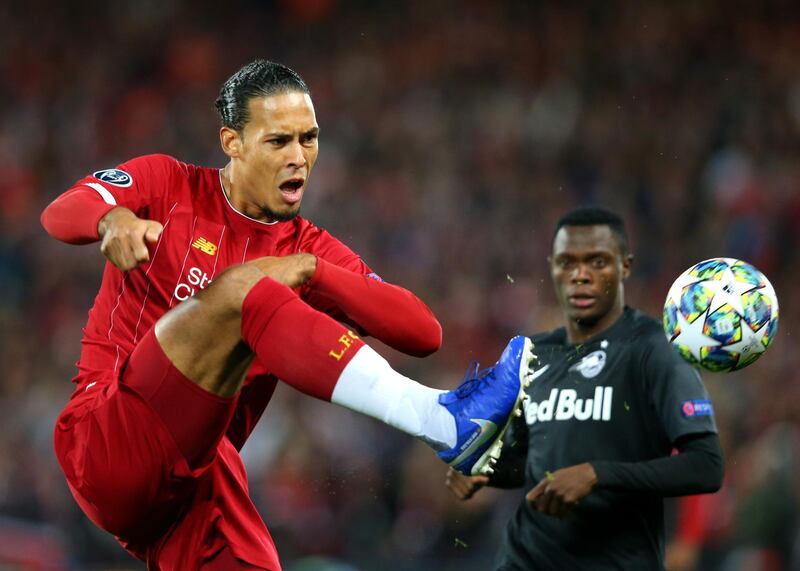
column 692, row 335
column 750, row 342
column 728, row 290
column 676, row 291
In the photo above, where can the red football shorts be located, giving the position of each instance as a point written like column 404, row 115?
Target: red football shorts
column 129, row 476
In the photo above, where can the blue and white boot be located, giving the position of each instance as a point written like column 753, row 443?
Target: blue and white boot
column 483, row 407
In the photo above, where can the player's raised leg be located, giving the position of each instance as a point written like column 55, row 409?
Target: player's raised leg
column 178, row 390
column 251, row 310
column 209, row 339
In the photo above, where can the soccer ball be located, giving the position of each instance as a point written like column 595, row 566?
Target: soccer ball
column 721, row 314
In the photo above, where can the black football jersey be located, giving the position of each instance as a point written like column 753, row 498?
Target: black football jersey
column 624, row 395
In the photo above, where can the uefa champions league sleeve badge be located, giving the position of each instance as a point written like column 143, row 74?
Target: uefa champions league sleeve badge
column 115, row 177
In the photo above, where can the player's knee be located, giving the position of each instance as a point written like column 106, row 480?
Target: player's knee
column 231, row 287
column 235, row 283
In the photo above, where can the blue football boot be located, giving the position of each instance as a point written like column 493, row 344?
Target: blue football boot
column 483, row 407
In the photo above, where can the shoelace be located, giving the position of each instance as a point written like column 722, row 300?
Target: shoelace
column 472, row 378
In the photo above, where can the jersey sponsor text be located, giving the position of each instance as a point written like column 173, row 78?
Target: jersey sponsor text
column 196, row 278
column 564, row 404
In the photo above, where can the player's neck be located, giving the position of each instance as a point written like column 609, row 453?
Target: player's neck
column 234, row 196
column 579, row 332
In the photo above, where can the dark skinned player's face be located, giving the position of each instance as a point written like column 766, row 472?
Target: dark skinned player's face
column 588, row 269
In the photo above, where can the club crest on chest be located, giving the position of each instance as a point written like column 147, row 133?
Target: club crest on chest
column 591, row 365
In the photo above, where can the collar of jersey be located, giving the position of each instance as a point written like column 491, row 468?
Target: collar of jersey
column 610, row 333
column 243, row 215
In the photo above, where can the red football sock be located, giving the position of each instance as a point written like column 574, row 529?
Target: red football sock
column 301, row 346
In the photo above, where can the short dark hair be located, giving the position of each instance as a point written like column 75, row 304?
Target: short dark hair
column 259, row 78
column 595, row 216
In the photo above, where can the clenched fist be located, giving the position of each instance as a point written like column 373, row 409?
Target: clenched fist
column 125, row 237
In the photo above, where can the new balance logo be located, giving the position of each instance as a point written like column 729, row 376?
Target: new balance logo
column 564, row 404
column 205, row 246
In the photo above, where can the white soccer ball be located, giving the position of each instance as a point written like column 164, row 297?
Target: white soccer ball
column 721, row 314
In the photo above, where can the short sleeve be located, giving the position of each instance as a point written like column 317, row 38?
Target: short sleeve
column 677, row 391
column 134, row 184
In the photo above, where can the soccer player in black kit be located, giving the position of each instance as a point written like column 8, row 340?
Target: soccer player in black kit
column 609, row 403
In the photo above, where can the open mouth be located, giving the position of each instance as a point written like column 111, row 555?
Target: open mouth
column 292, row 190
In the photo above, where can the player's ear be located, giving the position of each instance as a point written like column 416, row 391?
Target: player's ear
column 627, row 264
column 231, row 142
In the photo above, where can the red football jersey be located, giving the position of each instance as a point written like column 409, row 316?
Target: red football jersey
column 203, row 234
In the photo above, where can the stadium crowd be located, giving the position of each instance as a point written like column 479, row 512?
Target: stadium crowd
column 454, row 135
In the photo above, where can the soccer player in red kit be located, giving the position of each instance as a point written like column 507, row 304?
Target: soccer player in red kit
column 214, row 289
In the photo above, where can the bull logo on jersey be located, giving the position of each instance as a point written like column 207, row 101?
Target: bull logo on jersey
column 116, row 177
column 591, row 365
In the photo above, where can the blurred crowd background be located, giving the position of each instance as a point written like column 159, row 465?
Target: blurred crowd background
column 454, row 134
